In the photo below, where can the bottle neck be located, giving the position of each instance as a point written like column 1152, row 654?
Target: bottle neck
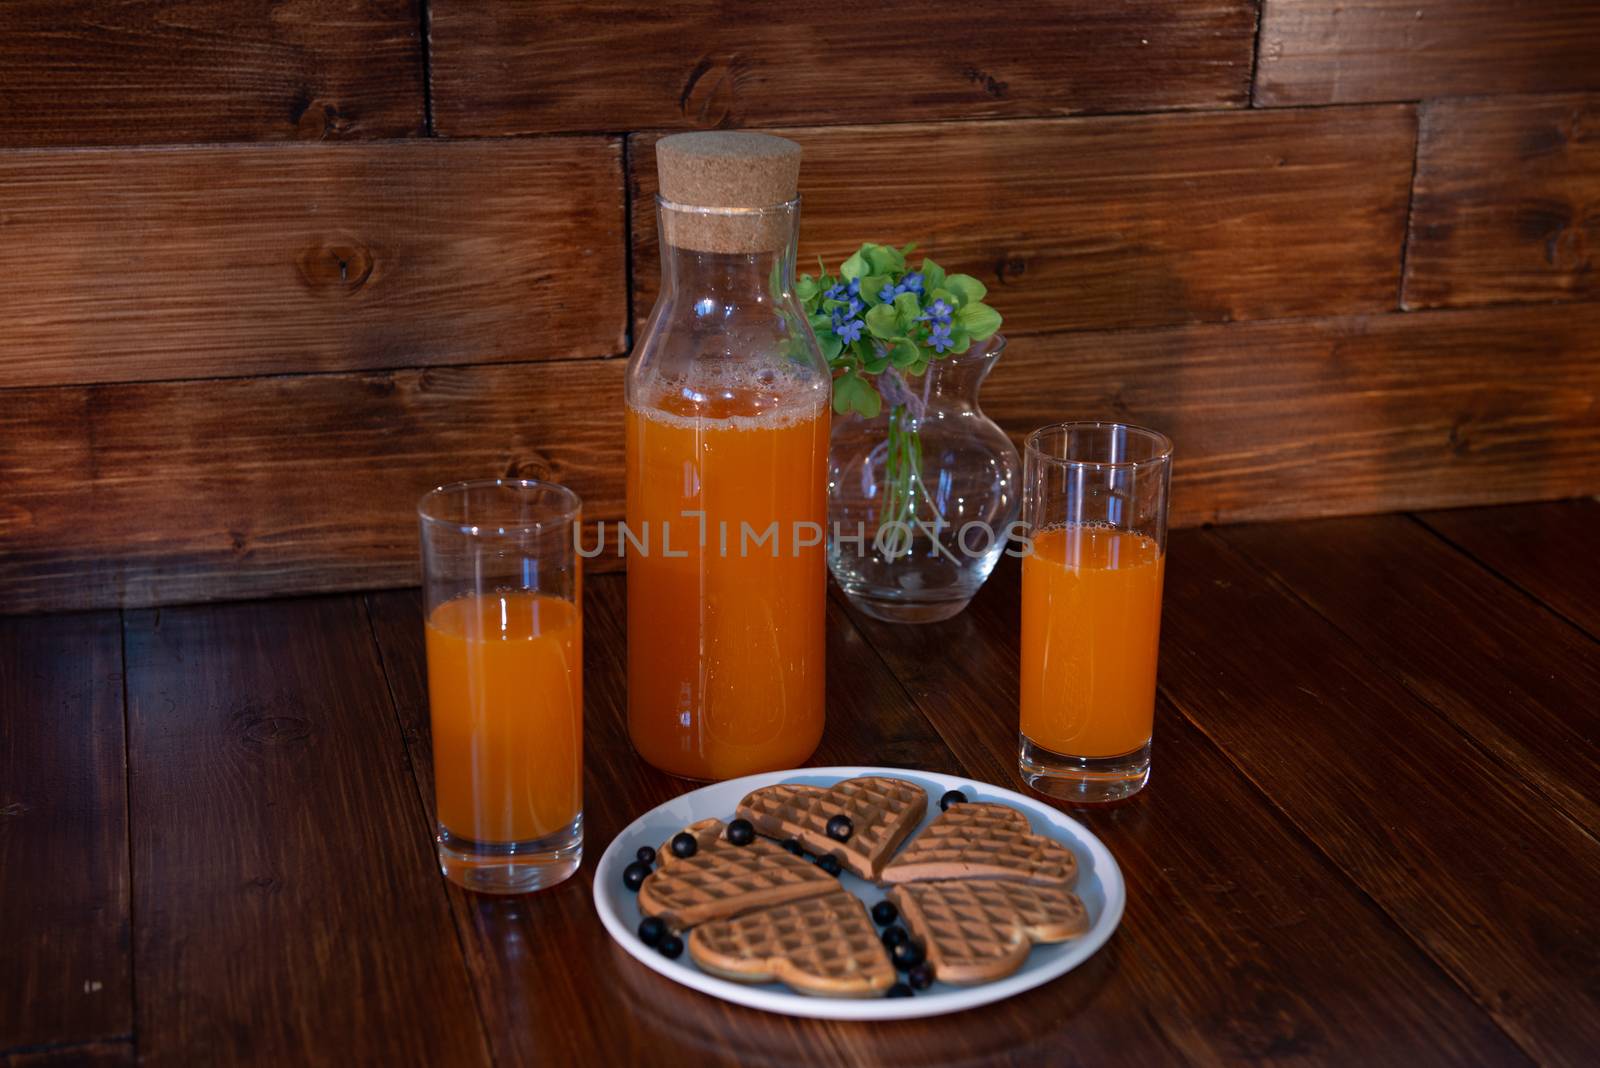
column 713, row 259
column 727, row 325
column 719, row 279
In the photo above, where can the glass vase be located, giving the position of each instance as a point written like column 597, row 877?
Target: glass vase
column 922, row 497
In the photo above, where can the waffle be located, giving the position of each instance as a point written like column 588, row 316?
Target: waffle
column 977, row 840
column 979, row 930
column 723, row 879
column 825, row 946
column 882, row 812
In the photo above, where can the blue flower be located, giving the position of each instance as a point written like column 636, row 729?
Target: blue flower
column 851, row 331
column 834, row 292
column 855, row 287
column 912, row 282
column 939, row 338
column 938, row 311
column 889, row 292
column 854, row 309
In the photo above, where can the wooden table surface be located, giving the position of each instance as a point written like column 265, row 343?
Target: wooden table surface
column 1370, row 835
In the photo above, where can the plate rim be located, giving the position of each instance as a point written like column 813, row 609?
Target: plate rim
column 793, row 1003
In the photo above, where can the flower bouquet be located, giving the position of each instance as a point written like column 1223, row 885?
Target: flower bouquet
column 879, row 323
column 922, row 486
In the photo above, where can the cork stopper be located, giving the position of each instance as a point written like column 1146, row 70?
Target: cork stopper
column 731, row 172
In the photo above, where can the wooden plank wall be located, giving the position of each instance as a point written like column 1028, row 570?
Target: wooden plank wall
column 267, row 270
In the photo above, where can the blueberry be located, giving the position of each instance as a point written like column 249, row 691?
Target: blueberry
column 884, row 913
column 652, row 929
column 684, row 844
column 839, row 828
column 830, row 864
column 951, row 797
column 634, row 874
column 907, row 955
column 741, row 832
column 670, row 947
column 645, row 855
column 920, row 977
column 893, row 935
column 899, row 990
column 793, row 845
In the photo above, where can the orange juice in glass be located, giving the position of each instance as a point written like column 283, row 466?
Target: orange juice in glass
column 1095, row 503
column 505, row 690
column 504, row 639
column 727, row 444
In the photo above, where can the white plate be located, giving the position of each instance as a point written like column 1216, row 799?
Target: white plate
column 1099, row 885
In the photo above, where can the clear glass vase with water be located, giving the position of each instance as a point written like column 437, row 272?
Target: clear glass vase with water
column 921, row 497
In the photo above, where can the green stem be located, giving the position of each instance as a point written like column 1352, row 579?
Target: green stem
column 902, row 475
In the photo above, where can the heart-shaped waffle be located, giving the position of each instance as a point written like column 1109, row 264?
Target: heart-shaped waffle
column 978, row 930
column 822, row 945
column 977, row 840
column 882, row 813
column 723, row 879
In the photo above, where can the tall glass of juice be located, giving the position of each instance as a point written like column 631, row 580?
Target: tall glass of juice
column 502, row 591
column 1095, row 507
column 727, row 444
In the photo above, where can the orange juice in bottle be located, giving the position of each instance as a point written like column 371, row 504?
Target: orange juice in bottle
column 725, row 649
column 727, row 442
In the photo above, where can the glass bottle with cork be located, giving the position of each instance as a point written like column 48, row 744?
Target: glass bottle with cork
column 727, row 446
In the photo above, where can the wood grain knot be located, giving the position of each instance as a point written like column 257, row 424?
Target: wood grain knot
column 1554, row 225
column 318, row 120
column 336, row 266
column 258, row 730
column 711, row 92
column 534, row 466
column 1009, row 269
column 991, row 85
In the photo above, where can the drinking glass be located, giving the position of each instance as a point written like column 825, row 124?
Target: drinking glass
column 503, row 594
column 1094, row 505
